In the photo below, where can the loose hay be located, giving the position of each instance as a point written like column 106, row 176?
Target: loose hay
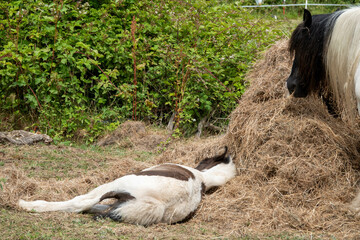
column 298, row 166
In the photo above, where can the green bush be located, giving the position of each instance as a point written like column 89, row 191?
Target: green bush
column 77, row 67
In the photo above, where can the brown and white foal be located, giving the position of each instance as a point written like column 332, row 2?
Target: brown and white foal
column 166, row 193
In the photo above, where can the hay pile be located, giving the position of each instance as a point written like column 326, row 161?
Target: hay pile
column 298, row 165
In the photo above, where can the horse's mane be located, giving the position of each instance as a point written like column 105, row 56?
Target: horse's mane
column 342, row 59
column 308, row 43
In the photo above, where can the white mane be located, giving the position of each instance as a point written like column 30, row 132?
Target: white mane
column 342, row 62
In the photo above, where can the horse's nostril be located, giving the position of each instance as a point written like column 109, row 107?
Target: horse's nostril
column 290, row 86
column 291, row 90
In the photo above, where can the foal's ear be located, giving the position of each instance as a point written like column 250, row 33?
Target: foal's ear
column 307, row 18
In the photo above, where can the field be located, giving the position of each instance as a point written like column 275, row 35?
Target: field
column 60, row 172
column 298, row 172
column 53, row 172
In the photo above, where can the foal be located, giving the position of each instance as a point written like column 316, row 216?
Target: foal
column 168, row 193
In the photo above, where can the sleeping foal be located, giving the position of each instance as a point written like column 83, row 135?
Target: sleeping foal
column 168, row 193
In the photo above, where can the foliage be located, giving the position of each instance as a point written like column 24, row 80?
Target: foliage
column 77, row 69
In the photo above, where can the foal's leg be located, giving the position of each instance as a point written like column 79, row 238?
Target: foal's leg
column 144, row 211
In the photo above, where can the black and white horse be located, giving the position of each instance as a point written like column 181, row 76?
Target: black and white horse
column 167, row 193
column 327, row 59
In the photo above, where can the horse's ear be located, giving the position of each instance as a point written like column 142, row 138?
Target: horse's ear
column 307, row 18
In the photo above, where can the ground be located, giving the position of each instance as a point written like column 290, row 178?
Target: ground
column 57, row 172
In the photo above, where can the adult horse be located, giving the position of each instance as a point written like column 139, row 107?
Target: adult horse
column 326, row 50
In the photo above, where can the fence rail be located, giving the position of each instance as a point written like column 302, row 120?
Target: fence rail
column 299, row 4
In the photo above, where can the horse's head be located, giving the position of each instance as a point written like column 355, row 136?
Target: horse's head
column 217, row 170
column 296, row 83
column 306, row 46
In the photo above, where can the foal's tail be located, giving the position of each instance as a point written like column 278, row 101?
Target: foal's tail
column 78, row 204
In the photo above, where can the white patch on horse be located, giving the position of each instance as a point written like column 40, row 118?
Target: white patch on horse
column 342, row 61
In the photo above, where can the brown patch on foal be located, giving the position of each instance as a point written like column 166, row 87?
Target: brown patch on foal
column 121, row 196
column 168, row 170
column 208, row 163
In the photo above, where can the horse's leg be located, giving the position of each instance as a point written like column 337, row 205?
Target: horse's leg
column 144, row 211
column 77, row 204
column 357, row 87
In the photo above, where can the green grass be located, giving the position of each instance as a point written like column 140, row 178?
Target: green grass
column 144, row 156
column 58, row 162
column 18, row 225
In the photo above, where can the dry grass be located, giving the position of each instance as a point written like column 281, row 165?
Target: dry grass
column 298, row 171
column 133, row 134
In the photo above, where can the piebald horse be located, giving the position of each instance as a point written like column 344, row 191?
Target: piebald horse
column 168, row 193
column 326, row 50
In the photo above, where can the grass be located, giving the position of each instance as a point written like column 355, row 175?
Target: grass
column 19, row 225
column 61, row 162
column 16, row 225
column 48, row 163
column 55, row 162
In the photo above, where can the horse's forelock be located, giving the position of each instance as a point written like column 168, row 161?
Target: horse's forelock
column 294, row 39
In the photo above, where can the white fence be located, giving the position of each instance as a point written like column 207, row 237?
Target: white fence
column 298, row 4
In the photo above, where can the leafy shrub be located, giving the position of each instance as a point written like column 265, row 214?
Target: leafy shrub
column 78, row 68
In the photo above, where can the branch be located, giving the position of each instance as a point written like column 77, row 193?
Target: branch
column 6, row 55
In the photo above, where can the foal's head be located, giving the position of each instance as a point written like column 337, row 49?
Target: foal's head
column 217, row 170
column 208, row 163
